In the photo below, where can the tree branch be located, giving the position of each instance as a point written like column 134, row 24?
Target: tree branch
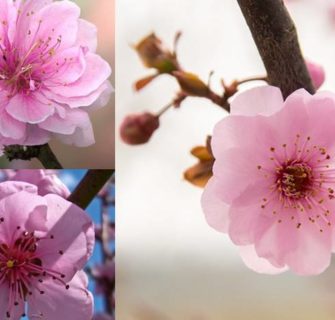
column 276, row 38
column 89, row 187
column 43, row 153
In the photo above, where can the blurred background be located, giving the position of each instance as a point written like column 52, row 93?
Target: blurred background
column 101, row 154
column 170, row 263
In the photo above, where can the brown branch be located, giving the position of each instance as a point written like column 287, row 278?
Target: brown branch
column 276, row 38
column 43, row 153
column 89, row 187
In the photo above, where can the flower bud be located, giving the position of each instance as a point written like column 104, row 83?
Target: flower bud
column 317, row 73
column 191, row 84
column 154, row 55
column 138, row 128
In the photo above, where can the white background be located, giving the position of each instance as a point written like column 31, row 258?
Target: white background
column 170, row 263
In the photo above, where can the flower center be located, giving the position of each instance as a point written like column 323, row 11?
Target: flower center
column 10, row 264
column 22, row 268
column 295, row 180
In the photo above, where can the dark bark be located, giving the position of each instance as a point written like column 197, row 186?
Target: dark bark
column 89, row 187
column 276, row 38
column 43, row 153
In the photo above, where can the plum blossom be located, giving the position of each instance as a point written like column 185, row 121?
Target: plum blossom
column 44, row 244
column 50, row 75
column 273, row 180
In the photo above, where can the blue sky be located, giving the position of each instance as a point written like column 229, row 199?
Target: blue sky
column 71, row 178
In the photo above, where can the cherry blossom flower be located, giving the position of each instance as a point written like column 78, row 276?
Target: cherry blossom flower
column 50, row 75
column 44, row 243
column 273, row 180
column 46, row 181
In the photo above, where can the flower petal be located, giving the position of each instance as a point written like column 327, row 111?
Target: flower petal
column 73, row 235
column 256, row 263
column 33, row 109
column 96, row 73
column 56, row 303
column 265, row 100
column 87, row 35
column 216, row 210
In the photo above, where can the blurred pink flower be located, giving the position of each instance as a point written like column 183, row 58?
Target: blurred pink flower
column 274, row 179
column 104, row 274
column 44, row 242
column 317, row 73
column 46, row 181
column 49, row 73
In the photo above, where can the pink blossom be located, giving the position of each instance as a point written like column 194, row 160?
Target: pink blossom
column 49, row 73
column 104, row 275
column 46, row 181
column 44, row 243
column 274, row 179
column 317, row 73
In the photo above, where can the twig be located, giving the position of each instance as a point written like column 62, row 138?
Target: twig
column 90, row 186
column 43, row 153
column 276, row 38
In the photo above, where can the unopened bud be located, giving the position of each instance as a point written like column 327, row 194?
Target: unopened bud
column 138, row 128
column 191, row 84
column 317, row 73
column 154, row 55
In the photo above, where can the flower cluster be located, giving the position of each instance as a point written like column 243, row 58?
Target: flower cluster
column 273, row 180
column 50, row 75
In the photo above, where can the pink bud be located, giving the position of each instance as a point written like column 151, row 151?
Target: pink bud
column 138, row 128
column 317, row 73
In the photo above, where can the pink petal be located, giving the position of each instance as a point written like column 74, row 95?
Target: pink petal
column 87, row 35
column 75, row 128
column 216, row 211
column 244, row 132
column 22, row 211
column 8, row 14
column 45, row 23
column 97, row 99
column 96, row 73
column 274, row 240
column 65, row 67
column 265, row 100
column 45, row 181
column 8, row 188
column 35, row 136
column 246, row 211
column 56, row 303
column 73, row 234
column 313, row 252
column 256, row 263
column 33, row 109
column 10, row 127
column 236, row 169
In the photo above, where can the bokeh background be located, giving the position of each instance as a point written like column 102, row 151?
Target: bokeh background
column 101, row 154
column 170, row 263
